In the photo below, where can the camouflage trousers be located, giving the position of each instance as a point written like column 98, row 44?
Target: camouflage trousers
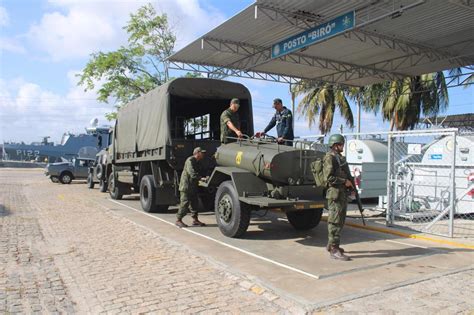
column 188, row 202
column 337, row 209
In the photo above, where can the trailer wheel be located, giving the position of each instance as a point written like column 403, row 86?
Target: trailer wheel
column 90, row 181
column 232, row 216
column 100, row 171
column 115, row 190
column 304, row 219
column 148, row 195
column 102, row 186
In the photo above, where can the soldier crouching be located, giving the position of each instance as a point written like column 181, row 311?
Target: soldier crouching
column 188, row 187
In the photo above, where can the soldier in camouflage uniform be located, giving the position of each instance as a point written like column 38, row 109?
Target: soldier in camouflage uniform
column 230, row 124
column 339, row 180
column 188, row 186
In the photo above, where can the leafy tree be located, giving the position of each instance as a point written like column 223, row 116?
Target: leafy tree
column 134, row 69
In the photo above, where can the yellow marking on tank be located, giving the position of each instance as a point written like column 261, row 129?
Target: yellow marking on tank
column 238, row 157
column 316, row 205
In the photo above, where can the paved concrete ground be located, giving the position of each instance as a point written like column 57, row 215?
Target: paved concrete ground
column 67, row 249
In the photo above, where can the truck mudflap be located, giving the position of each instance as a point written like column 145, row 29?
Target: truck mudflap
column 267, row 202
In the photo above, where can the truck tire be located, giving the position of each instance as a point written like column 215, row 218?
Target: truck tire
column 304, row 219
column 90, row 181
column 115, row 191
column 102, row 186
column 100, row 171
column 148, row 195
column 54, row 179
column 232, row 216
column 65, row 178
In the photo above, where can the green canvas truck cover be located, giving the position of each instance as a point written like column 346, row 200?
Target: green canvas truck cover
column 143, row 124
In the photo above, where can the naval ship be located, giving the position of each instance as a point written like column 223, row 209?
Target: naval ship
column 46, row 151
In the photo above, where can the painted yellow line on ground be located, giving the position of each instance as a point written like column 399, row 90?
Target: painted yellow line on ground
column 220, row 242
column 61, row 197
column 407, row 235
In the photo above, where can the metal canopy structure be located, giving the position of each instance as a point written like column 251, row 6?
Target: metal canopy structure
column 390, row 39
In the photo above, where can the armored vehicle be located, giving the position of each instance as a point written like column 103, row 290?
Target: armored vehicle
column 155, row 133
column 97, row 171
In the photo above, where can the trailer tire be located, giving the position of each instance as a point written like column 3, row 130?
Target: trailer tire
column 102, row 186
column 148, row 195
column 115, row 191
column 304, row 219
column 232, row 216
column 90, row 181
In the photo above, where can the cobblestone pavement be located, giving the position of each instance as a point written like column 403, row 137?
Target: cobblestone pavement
column 66, row 254
column 61, row 252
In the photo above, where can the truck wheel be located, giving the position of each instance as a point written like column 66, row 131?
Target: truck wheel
column 54, row 179
column 232, row 216
column 115, row 191
column 102, row 186
column 304, row 219
column 65, row 178
column 90, row 181
column 148, row 195
column 100, row 171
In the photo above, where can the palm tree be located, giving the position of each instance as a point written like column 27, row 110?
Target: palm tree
column 321, row 100
column 404, row 101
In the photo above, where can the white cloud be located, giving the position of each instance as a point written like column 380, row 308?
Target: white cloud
column 11, row 45
column 29, row 112
column 79, row 28
column 4, row 18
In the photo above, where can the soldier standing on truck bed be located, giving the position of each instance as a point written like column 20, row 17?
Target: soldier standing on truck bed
column 284, row 124
column 339, row 180
column 188, row 187
column 230, row 124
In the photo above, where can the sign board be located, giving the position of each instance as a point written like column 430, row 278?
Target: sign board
column 313, row 35
column 414, row 148
column 436, row 157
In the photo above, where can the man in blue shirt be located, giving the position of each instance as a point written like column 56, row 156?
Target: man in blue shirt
column 283, row 119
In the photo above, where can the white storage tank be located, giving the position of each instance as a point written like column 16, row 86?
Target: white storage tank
column 367, row 161
column 435, row 172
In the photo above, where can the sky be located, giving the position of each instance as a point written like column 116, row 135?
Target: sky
column 44, row 44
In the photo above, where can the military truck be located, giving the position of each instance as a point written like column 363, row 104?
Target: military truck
column 155, row 133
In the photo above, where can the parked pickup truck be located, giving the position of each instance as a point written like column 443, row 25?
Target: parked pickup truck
column 65, row 172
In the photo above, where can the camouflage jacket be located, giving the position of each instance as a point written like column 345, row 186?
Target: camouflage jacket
column 335, row 169
column 190, row 175
column 226, row 116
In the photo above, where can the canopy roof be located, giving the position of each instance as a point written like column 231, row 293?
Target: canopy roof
column 390, row 39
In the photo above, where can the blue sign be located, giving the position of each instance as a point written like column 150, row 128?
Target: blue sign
column 436, row 157
column 324, row 31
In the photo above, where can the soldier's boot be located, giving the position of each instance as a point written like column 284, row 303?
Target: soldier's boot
column 179, row 223
column 328, row 248
column 196, row 222
column 337, row 254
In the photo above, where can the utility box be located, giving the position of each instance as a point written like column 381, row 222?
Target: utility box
column 368, row 164
column 435, row 174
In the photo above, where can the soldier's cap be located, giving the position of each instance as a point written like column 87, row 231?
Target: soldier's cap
column 277, row 100
column 198, row 149
column 235, row 101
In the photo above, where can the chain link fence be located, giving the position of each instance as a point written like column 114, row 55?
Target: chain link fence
column 430, row 182
column 423, row 179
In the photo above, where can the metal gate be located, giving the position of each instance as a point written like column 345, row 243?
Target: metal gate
column 430, row 183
